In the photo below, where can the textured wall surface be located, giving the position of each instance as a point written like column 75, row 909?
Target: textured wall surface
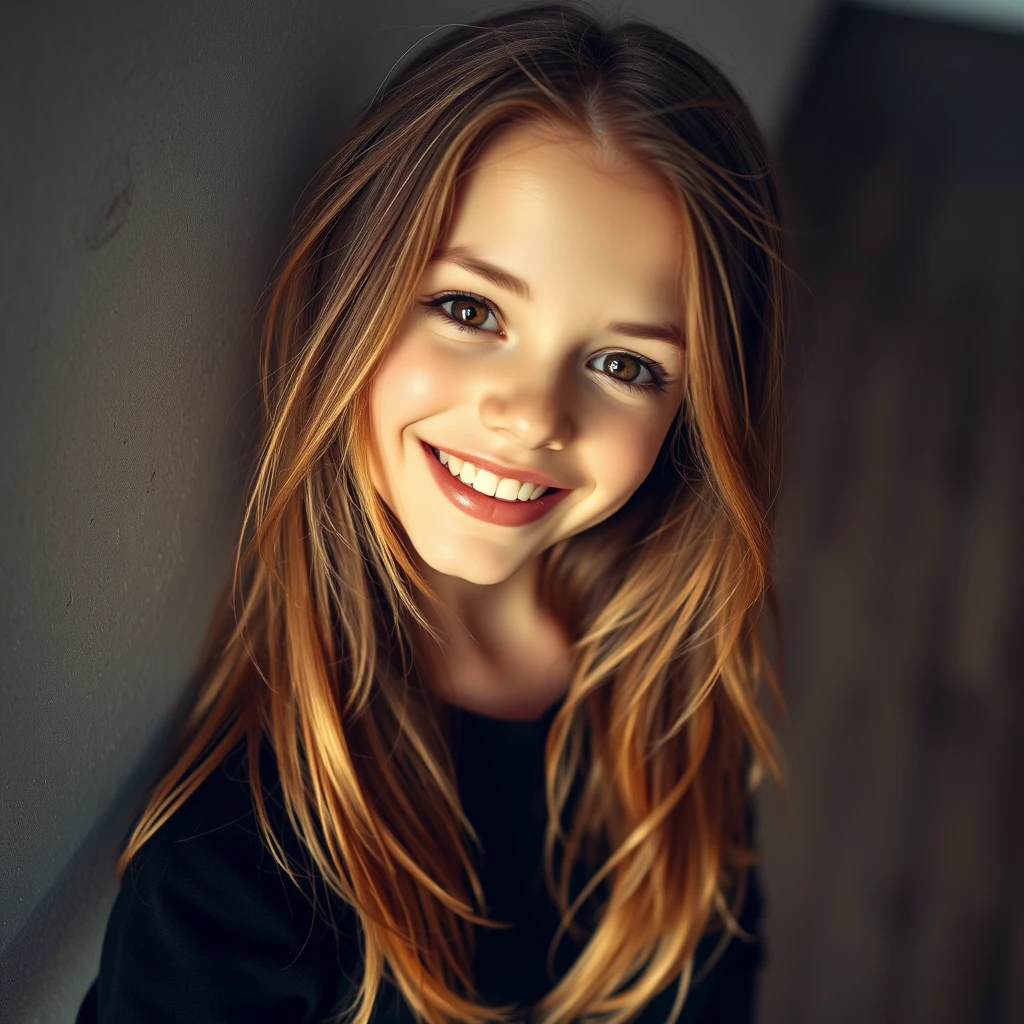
column 153, row 155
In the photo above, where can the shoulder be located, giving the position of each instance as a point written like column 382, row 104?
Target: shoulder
column 212, row 847
column 207, row 926
column 218, row 819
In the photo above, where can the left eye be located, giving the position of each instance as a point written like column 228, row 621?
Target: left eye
column 632, row 367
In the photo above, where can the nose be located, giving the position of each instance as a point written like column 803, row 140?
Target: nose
column 530, row 407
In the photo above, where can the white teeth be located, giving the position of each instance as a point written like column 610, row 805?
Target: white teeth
column 508, row 490
column 484, row 482
column 504, row 488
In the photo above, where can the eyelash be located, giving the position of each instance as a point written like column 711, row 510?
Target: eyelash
column 662, row 381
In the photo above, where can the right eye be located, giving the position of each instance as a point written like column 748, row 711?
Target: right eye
column 468, row 312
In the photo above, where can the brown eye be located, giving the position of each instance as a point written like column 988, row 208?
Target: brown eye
column 467, row 312
column 473, row 314
column 623, row 367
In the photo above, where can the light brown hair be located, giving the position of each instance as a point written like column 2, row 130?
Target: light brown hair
column 662, row 600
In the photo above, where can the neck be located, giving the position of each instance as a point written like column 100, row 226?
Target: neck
column 501, row 653
column 481, row 618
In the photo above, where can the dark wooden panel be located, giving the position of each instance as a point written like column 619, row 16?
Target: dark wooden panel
column 893, row 877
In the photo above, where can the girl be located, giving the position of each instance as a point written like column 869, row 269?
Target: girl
column 480, row 742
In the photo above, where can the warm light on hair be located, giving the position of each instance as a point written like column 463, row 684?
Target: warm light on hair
column 661, row 601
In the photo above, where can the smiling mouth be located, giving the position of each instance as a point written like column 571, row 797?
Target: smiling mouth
column 508, row 511
column 538, row 490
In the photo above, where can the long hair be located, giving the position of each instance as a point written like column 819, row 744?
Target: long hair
column 318, row 647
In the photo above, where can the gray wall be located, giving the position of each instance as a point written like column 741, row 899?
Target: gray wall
column 153, row 155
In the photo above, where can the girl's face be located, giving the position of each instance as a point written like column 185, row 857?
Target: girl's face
column 537, row 343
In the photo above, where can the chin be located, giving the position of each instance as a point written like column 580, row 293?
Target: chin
column 483, row 572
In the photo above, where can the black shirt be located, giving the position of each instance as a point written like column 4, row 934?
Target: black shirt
column 206, row 928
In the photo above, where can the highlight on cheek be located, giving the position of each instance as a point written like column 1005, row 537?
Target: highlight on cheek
column 660, row 380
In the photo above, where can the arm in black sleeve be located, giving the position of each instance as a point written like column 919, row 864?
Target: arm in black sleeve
column 207, row 928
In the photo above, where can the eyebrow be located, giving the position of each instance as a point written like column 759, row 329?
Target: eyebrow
column 463, row 256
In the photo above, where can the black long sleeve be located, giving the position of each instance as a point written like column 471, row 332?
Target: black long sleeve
column 205, row 927
column 501, row 782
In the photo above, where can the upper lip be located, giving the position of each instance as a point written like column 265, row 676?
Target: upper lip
column 507, row 472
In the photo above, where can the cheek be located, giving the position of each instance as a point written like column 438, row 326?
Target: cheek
column 624, row 457
column 411, row 384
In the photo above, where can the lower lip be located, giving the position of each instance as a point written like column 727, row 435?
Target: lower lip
column 481, row 506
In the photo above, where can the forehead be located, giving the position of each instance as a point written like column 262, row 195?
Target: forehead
column 558, row 205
